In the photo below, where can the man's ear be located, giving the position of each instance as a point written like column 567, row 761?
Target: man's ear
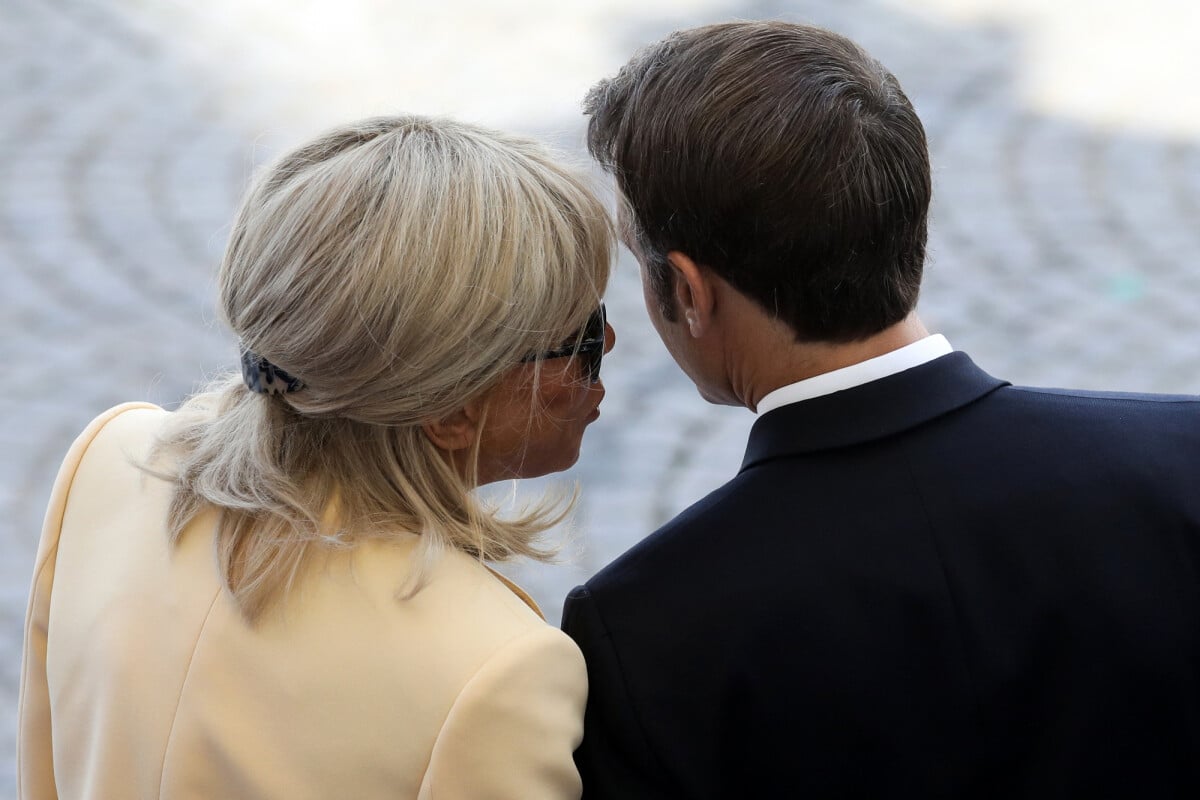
column 455, row 431
column 694, row 292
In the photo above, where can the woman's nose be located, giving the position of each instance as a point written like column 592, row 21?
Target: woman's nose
column 610, row 338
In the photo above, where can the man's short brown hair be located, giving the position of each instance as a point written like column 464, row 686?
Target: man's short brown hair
column 781, row 156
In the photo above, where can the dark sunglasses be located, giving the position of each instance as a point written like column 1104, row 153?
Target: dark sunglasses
column 588, row 345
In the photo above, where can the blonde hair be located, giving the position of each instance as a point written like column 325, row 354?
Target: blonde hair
column 399, row 267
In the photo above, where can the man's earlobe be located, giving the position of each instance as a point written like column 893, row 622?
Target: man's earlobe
column 453, row 432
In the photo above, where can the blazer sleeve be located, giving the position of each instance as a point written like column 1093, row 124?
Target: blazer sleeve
column 35, row 759
column 616, row 760
column 512, row 729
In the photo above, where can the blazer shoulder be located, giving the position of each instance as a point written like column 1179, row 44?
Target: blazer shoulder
column 120, row 421
column 539, row 649
column 515, row 724
column 463, row 605
column 476, row 578
column 117, row 422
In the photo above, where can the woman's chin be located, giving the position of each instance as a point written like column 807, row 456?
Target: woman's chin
column 527, row 469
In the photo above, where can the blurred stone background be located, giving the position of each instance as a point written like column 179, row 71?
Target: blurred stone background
column 1066, row 227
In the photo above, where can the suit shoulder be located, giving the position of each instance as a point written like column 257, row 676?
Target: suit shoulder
column 1111, row 417
column 1187, row 403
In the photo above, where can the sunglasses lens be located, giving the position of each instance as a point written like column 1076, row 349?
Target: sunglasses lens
column 587, row 345
column 593, row 365
column 595, row 332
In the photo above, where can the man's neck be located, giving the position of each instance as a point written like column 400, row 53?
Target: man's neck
column 770, row 367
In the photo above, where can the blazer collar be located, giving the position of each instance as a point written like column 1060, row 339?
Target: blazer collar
column 870, row 411
column 517, row 590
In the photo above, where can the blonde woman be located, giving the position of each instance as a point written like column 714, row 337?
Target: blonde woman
column 280, row 590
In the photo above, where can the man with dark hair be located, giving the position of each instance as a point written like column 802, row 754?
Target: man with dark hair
column 923, row 581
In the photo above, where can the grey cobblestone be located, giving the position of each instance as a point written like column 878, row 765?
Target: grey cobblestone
column 1063, row 252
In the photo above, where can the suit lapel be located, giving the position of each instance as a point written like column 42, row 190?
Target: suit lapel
column 872, row 411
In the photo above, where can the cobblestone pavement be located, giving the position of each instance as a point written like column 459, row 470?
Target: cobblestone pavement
column 1063, row 247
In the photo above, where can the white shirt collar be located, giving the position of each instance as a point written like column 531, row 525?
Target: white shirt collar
column 907, row 357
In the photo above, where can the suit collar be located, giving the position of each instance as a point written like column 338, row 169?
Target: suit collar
column 870, row 411
column 910, row 355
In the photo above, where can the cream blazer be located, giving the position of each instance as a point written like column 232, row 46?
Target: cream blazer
column 141, row 680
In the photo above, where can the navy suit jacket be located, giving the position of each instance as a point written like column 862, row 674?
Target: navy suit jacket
column 933, row 585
